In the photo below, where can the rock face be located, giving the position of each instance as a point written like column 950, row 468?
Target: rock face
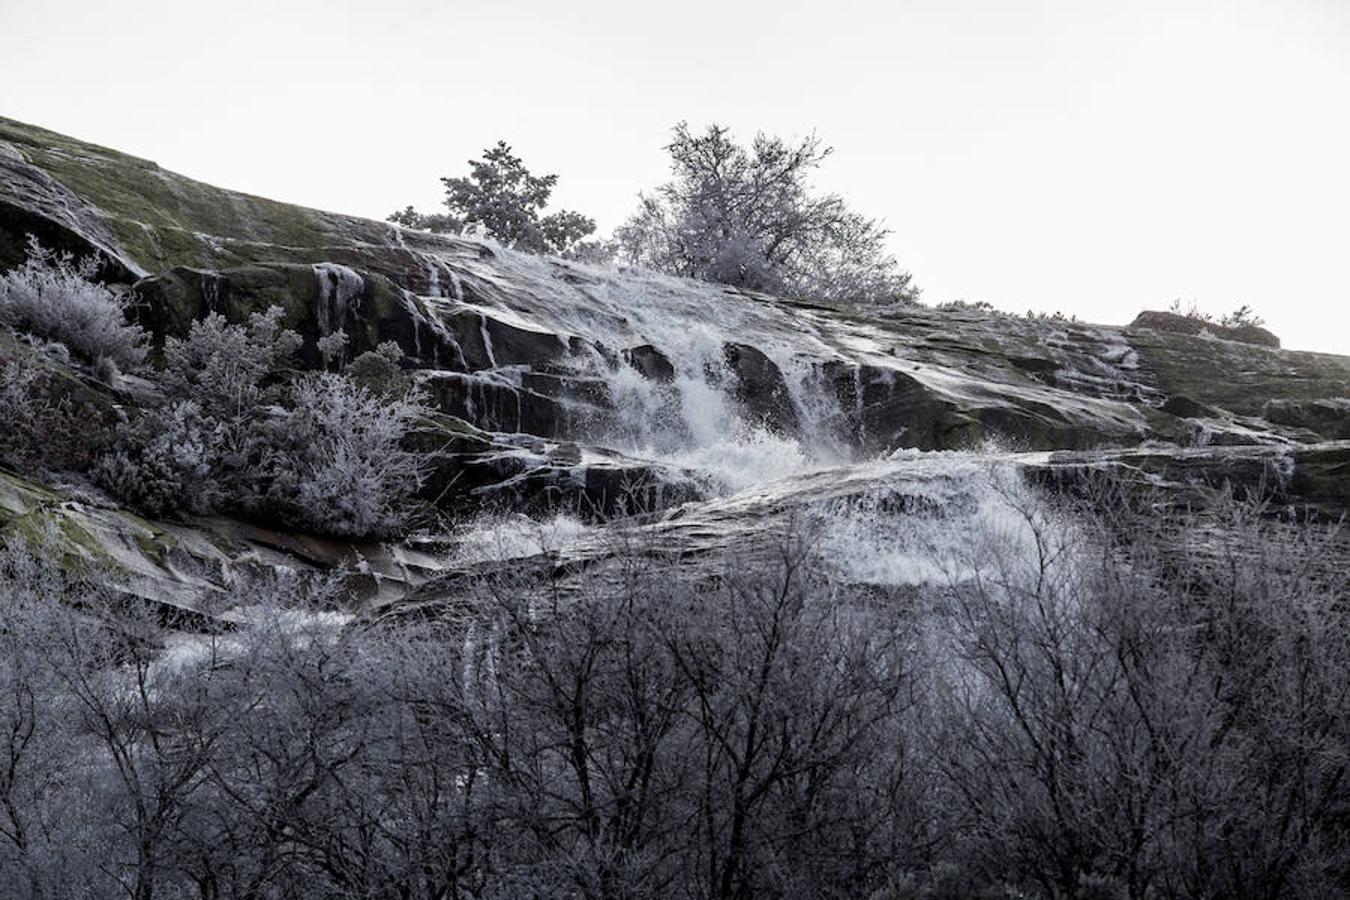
column 319, row 299
column 590, row 391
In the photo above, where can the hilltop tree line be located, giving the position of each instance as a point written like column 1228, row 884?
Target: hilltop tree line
column 731, row 214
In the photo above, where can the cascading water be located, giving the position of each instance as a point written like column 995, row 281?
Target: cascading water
column 340, row 290
column 677, row 397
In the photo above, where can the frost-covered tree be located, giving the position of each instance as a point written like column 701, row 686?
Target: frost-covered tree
column 748, row 217
column 507, row 201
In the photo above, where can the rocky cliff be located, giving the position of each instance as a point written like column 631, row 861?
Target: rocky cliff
column 595, row 392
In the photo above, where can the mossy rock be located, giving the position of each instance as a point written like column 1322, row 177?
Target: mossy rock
column 1239, row 378
column 36, row 515
column 317, row 299
column 1328, row 417
column 1321, row 477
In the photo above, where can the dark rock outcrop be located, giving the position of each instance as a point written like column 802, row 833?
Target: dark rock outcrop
column 318, row 300
column 652, row 363
column 760, row 388
column 1179, row 324
column 1329, row 418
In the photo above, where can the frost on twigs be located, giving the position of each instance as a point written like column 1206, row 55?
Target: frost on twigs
column 54, row 296
column 747, row 217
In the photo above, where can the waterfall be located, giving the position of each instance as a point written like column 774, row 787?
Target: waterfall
column 340, row 290
column 690, row 417
column 770, row 406
column 211, row 289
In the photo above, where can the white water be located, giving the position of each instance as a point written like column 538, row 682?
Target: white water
column 694, row 422
column 514, row 536
column 339, row 293
column 904, row 520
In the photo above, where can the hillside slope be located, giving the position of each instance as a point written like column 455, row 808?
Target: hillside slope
column 600, row 391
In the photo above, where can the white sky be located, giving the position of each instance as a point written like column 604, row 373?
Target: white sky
column 1091, row 157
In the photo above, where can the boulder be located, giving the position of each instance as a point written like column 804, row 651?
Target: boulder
column 488, row 341
column 652, row 363
column 760, row 388
column 1175, row 322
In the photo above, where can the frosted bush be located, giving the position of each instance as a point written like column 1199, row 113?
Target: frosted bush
column 54, row 296
column 223, row 367
column 17, row 409
column 169, row 460
column 320, row 453
column 39, row 428
column 337, row 465
column 378, row 370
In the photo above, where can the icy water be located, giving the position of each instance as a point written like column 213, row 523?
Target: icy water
column 885, row 518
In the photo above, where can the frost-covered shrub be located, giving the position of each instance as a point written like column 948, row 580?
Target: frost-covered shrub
column 18, row 408
column 195, row 452
column 54, row 296
column 224, row 367
column 170, row 459
column 335, row 463
column 333, row 348
column 321, row 452
column 378, row 370
column 39, row 429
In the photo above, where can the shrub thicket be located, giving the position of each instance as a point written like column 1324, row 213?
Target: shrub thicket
column 45, row 425
column 316, row 451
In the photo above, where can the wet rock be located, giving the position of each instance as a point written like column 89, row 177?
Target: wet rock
column 567, row 454
column 885, row 409
column 539, row 404
column 1329, row 417
column 1034, row 364
column 595, row 489
column 1234, row 377
column 318, row 300
column 760, row 388
column 34, row 203
column 1321, row 478
column 1314, row 476
column 1186, row 408
column 652, row 363
column 183, row 571
column 488, row 342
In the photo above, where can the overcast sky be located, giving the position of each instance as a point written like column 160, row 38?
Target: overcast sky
column 1091, row 157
